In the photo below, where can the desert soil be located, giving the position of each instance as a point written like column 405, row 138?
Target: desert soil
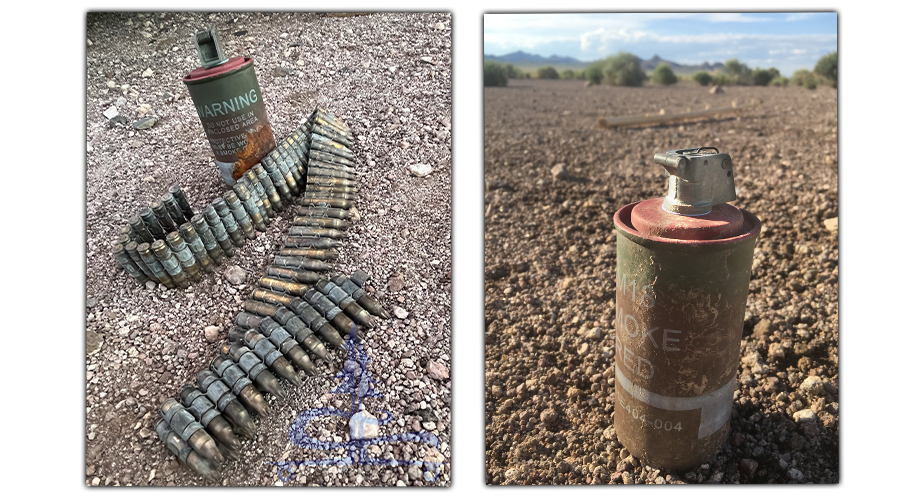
column 388, row 77
column 550, row 256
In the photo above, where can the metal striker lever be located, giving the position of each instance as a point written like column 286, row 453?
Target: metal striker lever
column 698, row 180
column 208, row 48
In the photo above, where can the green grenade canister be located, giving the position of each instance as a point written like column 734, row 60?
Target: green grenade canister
column 229, row 102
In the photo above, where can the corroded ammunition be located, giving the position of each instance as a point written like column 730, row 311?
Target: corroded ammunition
column 259, row 308
column 189, row 429
column 295, row 164
column 323, row 222
column 309, row 252
column 270, row 193
column 329, row 132
column 213, row 249
column 331, row 202
column 259, row 201
column 257, row 189
column 162, row 215
column 185, row 453
column 329, row 193
column 359, row 277
column 321, row 114
column 122, row 239
column 316, row 322
column 330, row 310
column 127, row 264
column 270, row 297
column 252, row 205
column 322, row 211
column 127, row 230
column 345, row 302
column 277, row 179
column 227, row 403
column 152, row 224
column 278, row 285
column 325, row 144
column 173, row 209
column 176, row 191
column 140, row 229
column 234, row 232
column 329, row 169
column 302, row 263
column 295, row 275
column 271, row 356
column 284, row 162
column 301, row 333
column 308, row 242
column 360, row 296
column 155, row 265
column 193, row 241
column 131, row 248
column 329, row 181
column 240, row 215
column 288, row 346
column 240, row 384
column 298, row 152
column 315, row 154
column 347, row 190
column 218, row 230
column 253, row 367
column 184, row 255
column 170, row 262
column 209, row 416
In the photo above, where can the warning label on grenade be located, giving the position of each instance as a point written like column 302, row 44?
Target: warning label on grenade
column 228, row 122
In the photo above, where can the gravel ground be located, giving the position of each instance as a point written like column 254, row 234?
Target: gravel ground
column 550, row 270
column 388, row 77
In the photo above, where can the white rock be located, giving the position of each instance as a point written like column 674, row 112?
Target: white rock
column 420, row 169
column 111, row 112
column 400, row 312
column 148, row 73
column 806, row 415
column 363, row 425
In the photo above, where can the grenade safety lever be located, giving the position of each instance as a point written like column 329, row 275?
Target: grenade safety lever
column 698, row 180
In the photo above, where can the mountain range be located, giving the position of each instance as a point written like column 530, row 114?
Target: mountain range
column 524, row 58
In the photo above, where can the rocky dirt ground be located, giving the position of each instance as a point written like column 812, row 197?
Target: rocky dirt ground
column 550, row 271
column 388, row 77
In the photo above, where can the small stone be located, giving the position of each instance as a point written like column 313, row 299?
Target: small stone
column 716, row 89
column 805, row 415
column 812, row 385
column 795, row 474
column 437, row 370
column 627, row 478
column 143, row 109
column 559, row 172
column 414, row 472
column 548, row 416
column 363, row 425
column 512, row 474
column 95, row 481
column 395, row 283
column 282, row 72
column 400, row 312
column 93, row 342
column 120, row 102
column 420, row 169
column 831, row 224
column 111, row 112
column 400, row 482
column 427, row 59
column 148, row 73
column 583, row 348
column 144, row 123
column 749, row 466
column 776, row 351
column 235, row 275
column 588, row 84
column 764, row 327
column 609, row 433
column 211, row 333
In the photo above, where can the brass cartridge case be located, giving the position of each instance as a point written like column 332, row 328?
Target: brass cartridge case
column 218, row 230
column 131, row 248
column 301, row 333
column 231, row 226
column 185, row 453
column 325, row 144
column 314, row 211
column 329, row 181
column 288, row 346
column 252, row 204
column 227, row 403
column 328, row 169
column 280, row 285
column 152, row 224
column 271, row 297
column 271, row 356
column 240, row 384
column 155, row 265
column 333, row 134
column 162, row 215
column 189, row 429
column 259, row 308
column 295, row 275
column 277, row 179
column 184, row 255
column 331, row 202
column 253, row 367
column 323, row 254
column 210, row 243
column 127, row 264
column 310, row 242
column 258, row 190
column 316, row 192
column 324, row 156
column 127, row 230
column 209, row 416
column 324, row 222
column 176, row 191
column 170, row 263
column 269, row 192
column 302, row 263
column 240, row 215
column 350, row 307
column 171, row 206
column 360, row 296
column 330, row 310
column 193, row 241
column 316, row 322
column 284, row 162
column 140, row 229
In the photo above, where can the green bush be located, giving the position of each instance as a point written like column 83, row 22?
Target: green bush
column 494, row 75
column 567, row 74
column 663, row 75
column 764, row 76
column 623, row 69
column 580, row 75
column 548, row 73
column 827, row 68
column 780, row 81
column 703, row 78
column 810, row 81
column 594, row 72
column 511, row 71
column 720, row 79
column 798, row 76
column 738, row 72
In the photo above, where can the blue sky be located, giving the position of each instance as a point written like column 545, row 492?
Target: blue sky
column 787, row 41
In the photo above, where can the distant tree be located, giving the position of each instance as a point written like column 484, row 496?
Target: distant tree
column 703, row 78
column 799, row 75
column 763, row 76
column 623, row 69
column 827, row 68
column 780, row 81
column 580, row 75
column 494, row 75
column 567, row 74
column 810, row 81
column 720, row 79
column 737, row 71
column 548, row 73
column 663, row 75
column 594, row 72
column 511, row 71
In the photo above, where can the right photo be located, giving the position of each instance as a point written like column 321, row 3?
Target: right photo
column 661, row 248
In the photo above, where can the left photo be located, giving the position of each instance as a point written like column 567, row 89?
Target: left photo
column 268, row 249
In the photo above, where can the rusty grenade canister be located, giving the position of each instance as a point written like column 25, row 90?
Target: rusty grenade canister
column 227, row 97
column 682, row 278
